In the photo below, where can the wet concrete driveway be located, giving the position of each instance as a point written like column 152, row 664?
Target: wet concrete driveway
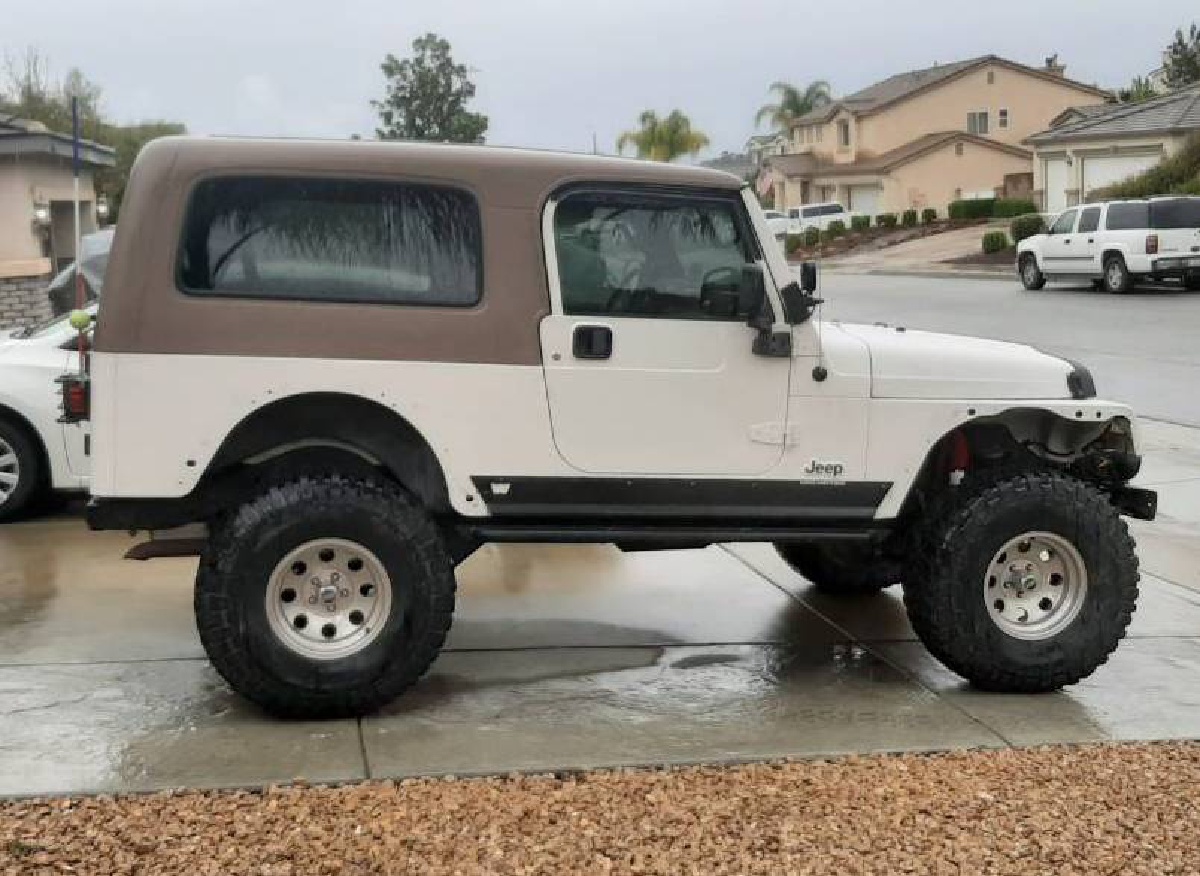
column 560, row 657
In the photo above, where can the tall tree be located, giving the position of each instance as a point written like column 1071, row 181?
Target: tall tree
column 1182, row 63
column 427, row 95
column 792, row 102
column 1140, row 88
column 663, row 139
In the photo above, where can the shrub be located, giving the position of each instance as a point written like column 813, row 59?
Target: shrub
column 793, row 242
column 1026, row 226
column 995, row 241
column 909, row 219
column 974, row 208
column 836, row 228
column 860, row 223
column 1177, row 175
column 1006, row 208
column 812, row 235
column 886, row 220
column 928, row 216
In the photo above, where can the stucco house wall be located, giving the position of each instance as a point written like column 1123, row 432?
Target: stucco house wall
column 26, row 180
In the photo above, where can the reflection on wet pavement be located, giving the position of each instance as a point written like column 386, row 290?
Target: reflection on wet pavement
column 560, row 657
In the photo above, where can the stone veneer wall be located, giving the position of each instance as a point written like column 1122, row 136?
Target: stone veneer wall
column 23, row 301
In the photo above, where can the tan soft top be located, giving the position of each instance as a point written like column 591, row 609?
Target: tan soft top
column 145, row 312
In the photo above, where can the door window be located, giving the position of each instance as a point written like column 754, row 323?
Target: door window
column 629, row 254
column 1064, row 223
column 1089, row 219
column 1126, row 217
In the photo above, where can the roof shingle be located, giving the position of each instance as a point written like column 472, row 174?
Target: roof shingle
column 1174, row 112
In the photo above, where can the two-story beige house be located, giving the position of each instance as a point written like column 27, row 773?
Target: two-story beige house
column 926, row 137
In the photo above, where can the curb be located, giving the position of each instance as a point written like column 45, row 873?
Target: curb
column 927, row 273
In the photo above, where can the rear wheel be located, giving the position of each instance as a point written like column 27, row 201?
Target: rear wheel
column 324, row 597
column 841, row 570
column 20, row 470
column 1192, row 282
column 1024, row 584
column 1116, row 276
column 1031, row 276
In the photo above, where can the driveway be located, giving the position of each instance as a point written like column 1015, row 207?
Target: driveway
column 561, row 657
column 923, row 254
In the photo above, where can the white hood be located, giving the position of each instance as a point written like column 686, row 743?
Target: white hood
column 916, row 364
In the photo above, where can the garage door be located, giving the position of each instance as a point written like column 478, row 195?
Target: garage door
column 1058, row 177
column 864, row 199
column 1108, row 169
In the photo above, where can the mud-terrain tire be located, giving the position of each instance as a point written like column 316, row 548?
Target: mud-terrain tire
column 951, row 581
column 20, row 470
column 841, row 570
column 346, row 521
column 1031, row 276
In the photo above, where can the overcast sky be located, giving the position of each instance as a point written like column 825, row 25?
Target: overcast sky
column 552, row 73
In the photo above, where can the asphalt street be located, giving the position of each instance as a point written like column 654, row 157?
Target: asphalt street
column 1143, row 348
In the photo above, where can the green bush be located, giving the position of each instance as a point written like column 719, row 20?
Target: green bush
column 928, row 216
column 1026, row 226
column 836, row 228
column 812, row 235
column 975, row 208
column 1177, row 175
column 792, row 243
column 1007, row 208
column 909, row 219
column 860, row 223
column 886, row 220
column 995, row 241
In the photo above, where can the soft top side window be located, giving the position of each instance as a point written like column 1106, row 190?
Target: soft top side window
column 320, row 239
column 1064, row 224
column 628, row 253
column 1127, row 217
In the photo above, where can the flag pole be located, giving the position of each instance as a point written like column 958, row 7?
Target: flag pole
column 79, row 295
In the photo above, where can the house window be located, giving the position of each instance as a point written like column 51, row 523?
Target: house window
column 1003, row 118
column 991, row 77
column 958, row 148
column 843, row 133
column 820, row 129
column 977, row 123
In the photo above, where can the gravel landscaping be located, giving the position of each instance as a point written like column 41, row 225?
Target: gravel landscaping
column 1096, row 810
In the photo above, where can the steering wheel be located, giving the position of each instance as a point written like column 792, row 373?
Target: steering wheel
column 721, row 285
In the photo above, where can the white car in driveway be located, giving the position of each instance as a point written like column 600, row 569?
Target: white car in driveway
column 37, row 452
column 778, row 223
column 817, row 216
column 1116, row 244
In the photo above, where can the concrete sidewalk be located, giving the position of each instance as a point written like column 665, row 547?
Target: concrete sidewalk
column 561, row 657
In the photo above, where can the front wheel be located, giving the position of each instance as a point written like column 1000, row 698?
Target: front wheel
column 1026, row 584
column 324, row 597
column 1031, row 276
column 20, row 470
column 841, row 570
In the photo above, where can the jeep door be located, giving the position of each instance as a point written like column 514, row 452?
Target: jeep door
column 647, row 355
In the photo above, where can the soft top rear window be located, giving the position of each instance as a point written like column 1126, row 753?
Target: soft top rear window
column 1126, row 217
column 369, row 241
column 1175, row 213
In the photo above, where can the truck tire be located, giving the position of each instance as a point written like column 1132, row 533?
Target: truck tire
column 1117, row 278
column 1192, row 282
column 1031, row 276
column 324, row 597
column 20, row 470
column 1024, row 583
column 841, row 570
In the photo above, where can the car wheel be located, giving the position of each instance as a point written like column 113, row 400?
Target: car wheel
column 841, row 570
column 324, row 597
column 1192, row 282
column 1031, row 276
column 1025, row 585
column 20, row 470
column 1116, row 276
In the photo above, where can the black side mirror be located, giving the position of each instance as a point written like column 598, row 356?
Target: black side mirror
column 808, row 277
column 752, row 298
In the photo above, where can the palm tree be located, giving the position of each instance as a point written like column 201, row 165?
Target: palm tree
column 663, row 139
column 793, row 103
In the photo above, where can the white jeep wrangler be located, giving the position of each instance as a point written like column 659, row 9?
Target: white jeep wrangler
column 335, row 369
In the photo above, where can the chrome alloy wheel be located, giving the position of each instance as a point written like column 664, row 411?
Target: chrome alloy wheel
column 329, row 598
column 1035, row 585
column 10, row 471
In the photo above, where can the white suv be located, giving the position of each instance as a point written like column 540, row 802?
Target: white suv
column 1117, row 243
column 816, row 216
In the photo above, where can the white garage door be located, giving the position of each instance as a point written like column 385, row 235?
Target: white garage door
column 1108, row 169
column 1058, row 177
column 864, row 200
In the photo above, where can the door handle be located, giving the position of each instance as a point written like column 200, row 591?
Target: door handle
column 1067, row 241
column 591, row 342
column 1091, row 240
